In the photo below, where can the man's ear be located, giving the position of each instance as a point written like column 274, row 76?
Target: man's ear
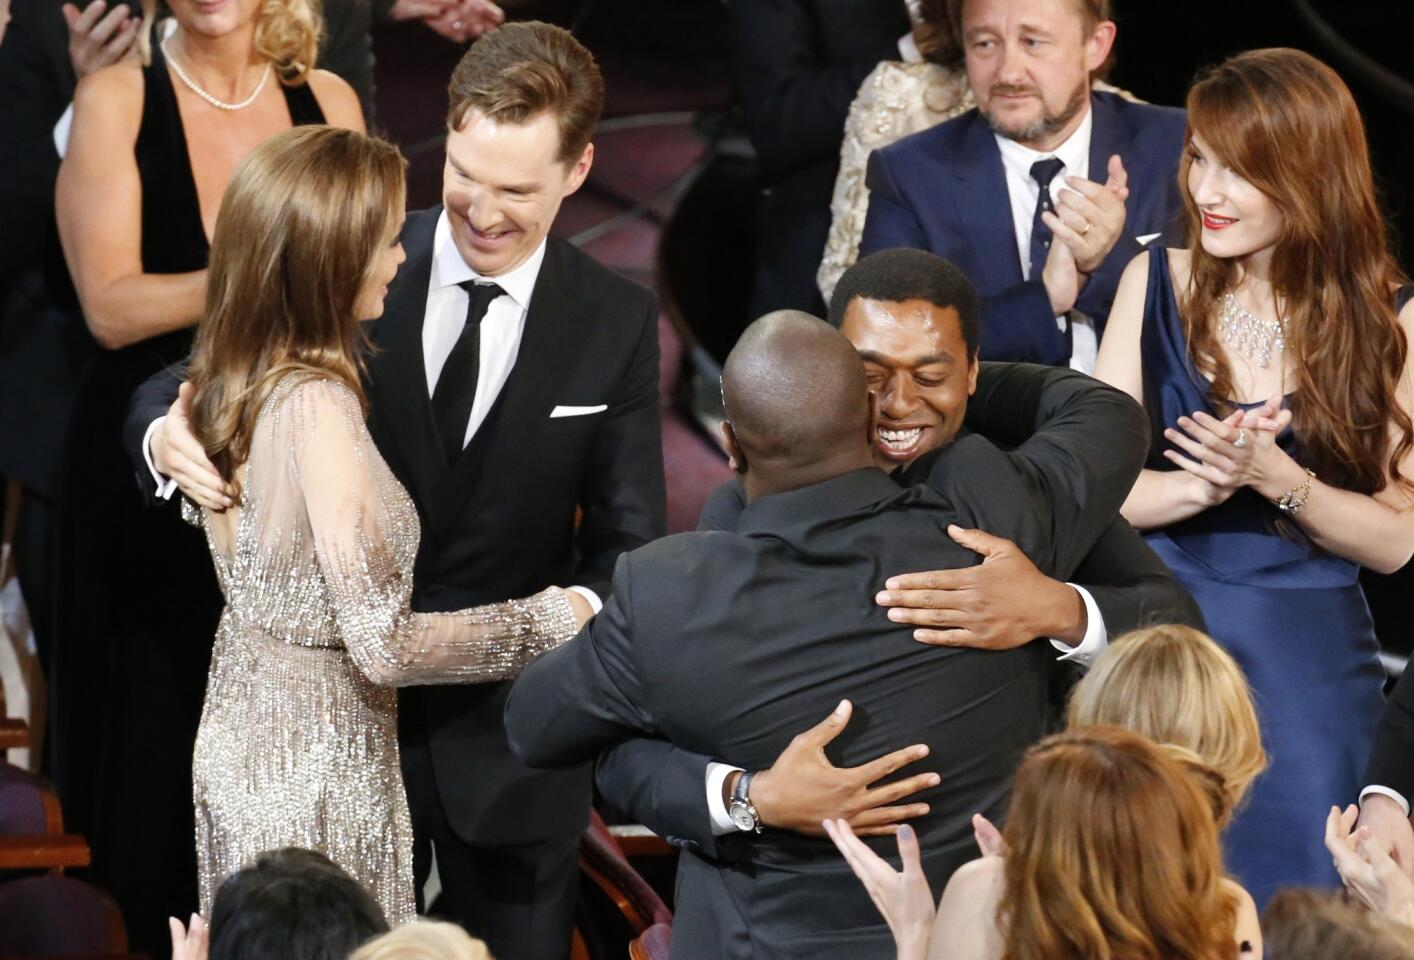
column 972, row 369
column 735, row 458
column 1098, row 45
column 579, row 170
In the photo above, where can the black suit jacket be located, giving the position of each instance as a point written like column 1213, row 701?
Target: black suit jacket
column 500, row 522
column 1392, row 759
column 728, row 644
column 799, row 64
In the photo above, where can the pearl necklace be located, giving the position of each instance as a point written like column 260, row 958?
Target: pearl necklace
column 196, row 89
column 1250, row 336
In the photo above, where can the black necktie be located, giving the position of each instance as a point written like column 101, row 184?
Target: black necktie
column 456, row 386
column 1043, row 172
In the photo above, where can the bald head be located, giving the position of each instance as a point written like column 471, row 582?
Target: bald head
column 796, row 396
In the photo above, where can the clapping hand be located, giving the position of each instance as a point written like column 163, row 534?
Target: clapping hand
column 1367, row 870
column 1237, row 451
column 190, row 942
column 904, row 898
column 457, row 20
column 100, row 36
column 1088, row 220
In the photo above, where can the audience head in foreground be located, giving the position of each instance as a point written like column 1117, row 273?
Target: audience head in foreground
column 424, row 940
column 913, row 318
column 1301, row 924
column 1111, row 851
column 292, row 904
column 1177, row 687
column 798, row 407
column 304, row 250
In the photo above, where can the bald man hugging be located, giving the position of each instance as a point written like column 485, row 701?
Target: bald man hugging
column 728, row 644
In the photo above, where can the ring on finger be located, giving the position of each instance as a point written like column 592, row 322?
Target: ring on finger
column 456, row 24
column 1242, row 439
column 1088, row 225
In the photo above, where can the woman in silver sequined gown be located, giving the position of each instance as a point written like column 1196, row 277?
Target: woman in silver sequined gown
column 297, row 744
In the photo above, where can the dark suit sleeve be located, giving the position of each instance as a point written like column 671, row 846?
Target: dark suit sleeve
column 795, row 101
column 1392, row 759
column 723, row 508
column 37, row 90
column 585, row 696
column 662, row 787
column 149, row 401
column 622, row 493
column 1067, row 481
column 347, row 49
column 1019, row 324
column 1130, row 584
column 889, row 221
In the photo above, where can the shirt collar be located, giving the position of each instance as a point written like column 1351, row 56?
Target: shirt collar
column 1074, row 152
column 449, row 269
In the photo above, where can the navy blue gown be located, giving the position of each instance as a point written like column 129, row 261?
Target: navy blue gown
column 1292, row 615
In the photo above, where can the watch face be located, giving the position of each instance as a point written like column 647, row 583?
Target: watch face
column 742, row 817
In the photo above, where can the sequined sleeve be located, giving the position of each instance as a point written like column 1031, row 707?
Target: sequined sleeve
column 364, row 537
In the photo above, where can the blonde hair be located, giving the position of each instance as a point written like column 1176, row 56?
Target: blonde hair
column 287, row 33
column 1176, row 686
column 424, row 940
column 1301, row 924
column 301, row 226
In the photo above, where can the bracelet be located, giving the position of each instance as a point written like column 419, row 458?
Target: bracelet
column 1294, row 500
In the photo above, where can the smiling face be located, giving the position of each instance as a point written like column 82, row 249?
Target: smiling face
column 917, row 364
column 502, row 187
column 390, row 255
column 1238, row 219
column 1029, row 64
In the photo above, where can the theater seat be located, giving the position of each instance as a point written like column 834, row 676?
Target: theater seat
column 54, row 916
column 601, row 859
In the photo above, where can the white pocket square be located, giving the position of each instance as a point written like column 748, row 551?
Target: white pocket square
column 1147, row 238
column 577, row 411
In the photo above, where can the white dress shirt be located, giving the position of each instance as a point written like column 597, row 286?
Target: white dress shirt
column 1023, row 191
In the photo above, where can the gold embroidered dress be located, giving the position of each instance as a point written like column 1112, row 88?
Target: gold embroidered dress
column 298, row 738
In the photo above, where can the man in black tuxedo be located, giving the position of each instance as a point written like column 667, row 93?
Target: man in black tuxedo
column 727, row 643
column 799, row 64
column 514, row 382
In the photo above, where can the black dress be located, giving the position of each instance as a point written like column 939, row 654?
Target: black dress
column 138, row 600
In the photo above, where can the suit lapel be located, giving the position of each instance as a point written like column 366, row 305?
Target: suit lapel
column 547, row 353
column 397, row 374
column 984, row 208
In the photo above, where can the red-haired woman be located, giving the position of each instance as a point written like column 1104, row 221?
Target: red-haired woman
column 1271, row 355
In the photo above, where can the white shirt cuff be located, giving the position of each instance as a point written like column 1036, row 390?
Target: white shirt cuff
column 595, row 603
column 1096, row 638
column 165, row 485
column 1394, row 795
column 717, row 774
column 61, row 131
column 908, row 49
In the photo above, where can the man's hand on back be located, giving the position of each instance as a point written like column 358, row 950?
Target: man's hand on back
column 803, row 788
column 178, row 454
column 1001, row 603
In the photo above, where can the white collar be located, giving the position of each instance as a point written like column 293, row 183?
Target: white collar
column 449, row 269
column 1074, row 152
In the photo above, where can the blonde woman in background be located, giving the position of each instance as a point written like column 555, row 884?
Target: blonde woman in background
column 154, row 142
column 897, row 99
column 424, row 940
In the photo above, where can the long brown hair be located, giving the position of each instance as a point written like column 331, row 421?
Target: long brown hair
column 1287, row 124
column 1112, row 853
column 301, row 225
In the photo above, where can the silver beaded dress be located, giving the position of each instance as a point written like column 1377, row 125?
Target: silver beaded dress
column 298, row 742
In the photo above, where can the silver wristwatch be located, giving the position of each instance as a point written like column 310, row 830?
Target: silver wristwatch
column 743, row 814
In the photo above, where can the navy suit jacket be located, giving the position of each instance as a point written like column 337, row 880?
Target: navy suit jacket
column 944, row 189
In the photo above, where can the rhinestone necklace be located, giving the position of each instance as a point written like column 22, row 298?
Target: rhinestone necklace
column 1247, row 334
column 196, row 88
